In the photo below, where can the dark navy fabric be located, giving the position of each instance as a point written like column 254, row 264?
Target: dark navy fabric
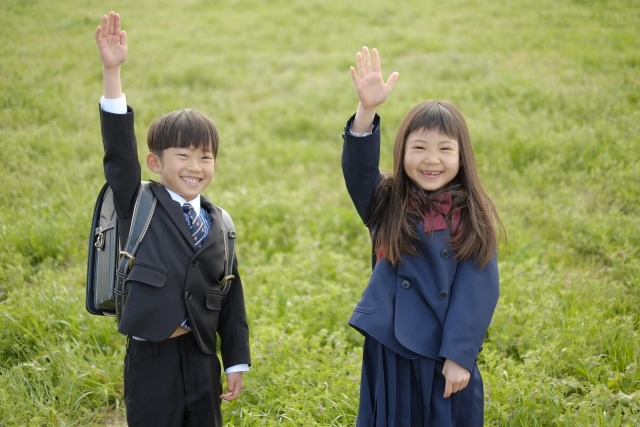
column 431, row 305
column 400, row 392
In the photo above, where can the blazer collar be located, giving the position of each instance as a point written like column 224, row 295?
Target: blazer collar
column 174, row 210
column 216, row 222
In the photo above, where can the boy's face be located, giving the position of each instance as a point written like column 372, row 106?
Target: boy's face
column 185, row 171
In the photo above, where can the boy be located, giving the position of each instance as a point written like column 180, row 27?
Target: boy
column 173, row 307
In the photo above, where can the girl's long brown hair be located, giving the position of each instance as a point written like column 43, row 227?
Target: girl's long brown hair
column 399, row 205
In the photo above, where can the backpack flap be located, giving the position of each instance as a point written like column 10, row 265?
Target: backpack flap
column 102, row 259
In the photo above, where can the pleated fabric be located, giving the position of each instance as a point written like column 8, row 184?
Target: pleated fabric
column 400, row 392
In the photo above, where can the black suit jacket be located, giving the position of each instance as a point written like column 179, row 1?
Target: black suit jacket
column 170, row 279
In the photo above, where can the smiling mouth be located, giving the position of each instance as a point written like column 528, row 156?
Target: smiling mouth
column 190, row 180
column 430, row 175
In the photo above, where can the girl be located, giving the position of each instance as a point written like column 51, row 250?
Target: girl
column 434, row 285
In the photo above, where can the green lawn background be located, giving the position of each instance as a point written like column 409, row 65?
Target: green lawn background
column 550, row 90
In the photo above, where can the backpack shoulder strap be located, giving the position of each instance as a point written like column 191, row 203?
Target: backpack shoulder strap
column 142, row 213
column 229, row 231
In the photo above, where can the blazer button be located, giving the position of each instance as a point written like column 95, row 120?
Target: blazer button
column 194, row 262
column 445, row 253
column 405, row 285
column 189, row 295
column 443, row 294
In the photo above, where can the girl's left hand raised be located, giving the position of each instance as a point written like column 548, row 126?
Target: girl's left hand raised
column 456, row 376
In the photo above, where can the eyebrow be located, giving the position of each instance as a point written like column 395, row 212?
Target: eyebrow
column 444, row 141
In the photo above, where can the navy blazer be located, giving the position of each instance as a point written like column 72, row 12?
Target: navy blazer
column 431, row 304
column 170, row 279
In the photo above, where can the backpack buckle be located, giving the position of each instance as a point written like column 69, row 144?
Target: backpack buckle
column 99, row 244
column 127, row 255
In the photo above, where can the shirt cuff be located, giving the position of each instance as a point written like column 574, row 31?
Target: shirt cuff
column 114, row 106
column 359, row 134
column 237, row 368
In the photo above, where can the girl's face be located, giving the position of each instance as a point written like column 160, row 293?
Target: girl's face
column 431, row 159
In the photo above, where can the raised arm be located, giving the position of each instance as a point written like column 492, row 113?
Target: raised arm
column 371, row 88
column 112, row 45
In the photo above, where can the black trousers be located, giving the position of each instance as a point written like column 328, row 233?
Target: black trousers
column 171, row 384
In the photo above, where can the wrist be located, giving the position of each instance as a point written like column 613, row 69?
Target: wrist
column 111, row 81
column 364, row 119
column 368, row 110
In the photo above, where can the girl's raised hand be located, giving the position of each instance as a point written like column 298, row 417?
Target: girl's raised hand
column 370, row 86
column 111, row 41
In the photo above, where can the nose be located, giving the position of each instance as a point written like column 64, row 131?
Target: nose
column 194, row 165
column 432, row 159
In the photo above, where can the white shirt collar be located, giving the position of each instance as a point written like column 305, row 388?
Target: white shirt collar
column 178, row 198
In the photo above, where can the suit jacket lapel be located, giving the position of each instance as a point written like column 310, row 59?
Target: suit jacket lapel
column 216, row 222
column 174, row 210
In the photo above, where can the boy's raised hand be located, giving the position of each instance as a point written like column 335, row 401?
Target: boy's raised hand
column 370, row 86
column 111, row 41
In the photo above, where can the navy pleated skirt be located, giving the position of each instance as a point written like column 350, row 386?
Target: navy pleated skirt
column 400, row 392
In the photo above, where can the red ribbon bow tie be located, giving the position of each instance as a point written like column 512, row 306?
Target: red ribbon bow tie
column 434, row 217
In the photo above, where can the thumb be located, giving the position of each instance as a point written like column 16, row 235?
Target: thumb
column 392, row 80
column 447, row 389
column 123, row 38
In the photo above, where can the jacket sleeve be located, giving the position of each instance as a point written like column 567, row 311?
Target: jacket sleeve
column 121, row 166
column 360, row 160
column 233, row 328
column 474, row 296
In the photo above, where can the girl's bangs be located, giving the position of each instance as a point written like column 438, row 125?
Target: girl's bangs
column 435, row 115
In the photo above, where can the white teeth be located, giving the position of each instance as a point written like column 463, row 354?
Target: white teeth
column 190, row 180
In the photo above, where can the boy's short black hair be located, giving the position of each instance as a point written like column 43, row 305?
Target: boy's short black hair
column 185, row 128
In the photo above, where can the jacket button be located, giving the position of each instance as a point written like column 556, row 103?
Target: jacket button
column 445, row 253
column 194, row 262
column 405, row 285
column 189, row 295
column 443, row 294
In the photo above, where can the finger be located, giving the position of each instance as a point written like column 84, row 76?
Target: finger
column 392, row 80
column 376, row 61
column 360, row 64
column 104, row 27
column 111, row 29
column 354, row 75
column 98, row 34
column 233, row 393
column 116, row 23
column 367, row 58
column 123, row 38
column 447, row 390
column 228, row 396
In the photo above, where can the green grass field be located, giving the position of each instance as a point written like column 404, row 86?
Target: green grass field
column 551, row 92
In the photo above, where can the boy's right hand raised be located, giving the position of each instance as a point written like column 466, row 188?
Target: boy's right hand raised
column 111, row 41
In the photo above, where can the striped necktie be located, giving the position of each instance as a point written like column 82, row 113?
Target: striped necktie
column 198, row 231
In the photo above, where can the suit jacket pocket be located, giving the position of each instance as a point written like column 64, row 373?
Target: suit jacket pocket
column 214, row 300
column 146, row 274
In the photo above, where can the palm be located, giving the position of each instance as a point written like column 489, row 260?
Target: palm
column 112, row 52
column 111, row 41
column 372, row 90
column 370, row 86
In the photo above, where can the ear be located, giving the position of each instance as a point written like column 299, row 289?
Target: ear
column 154, row 162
